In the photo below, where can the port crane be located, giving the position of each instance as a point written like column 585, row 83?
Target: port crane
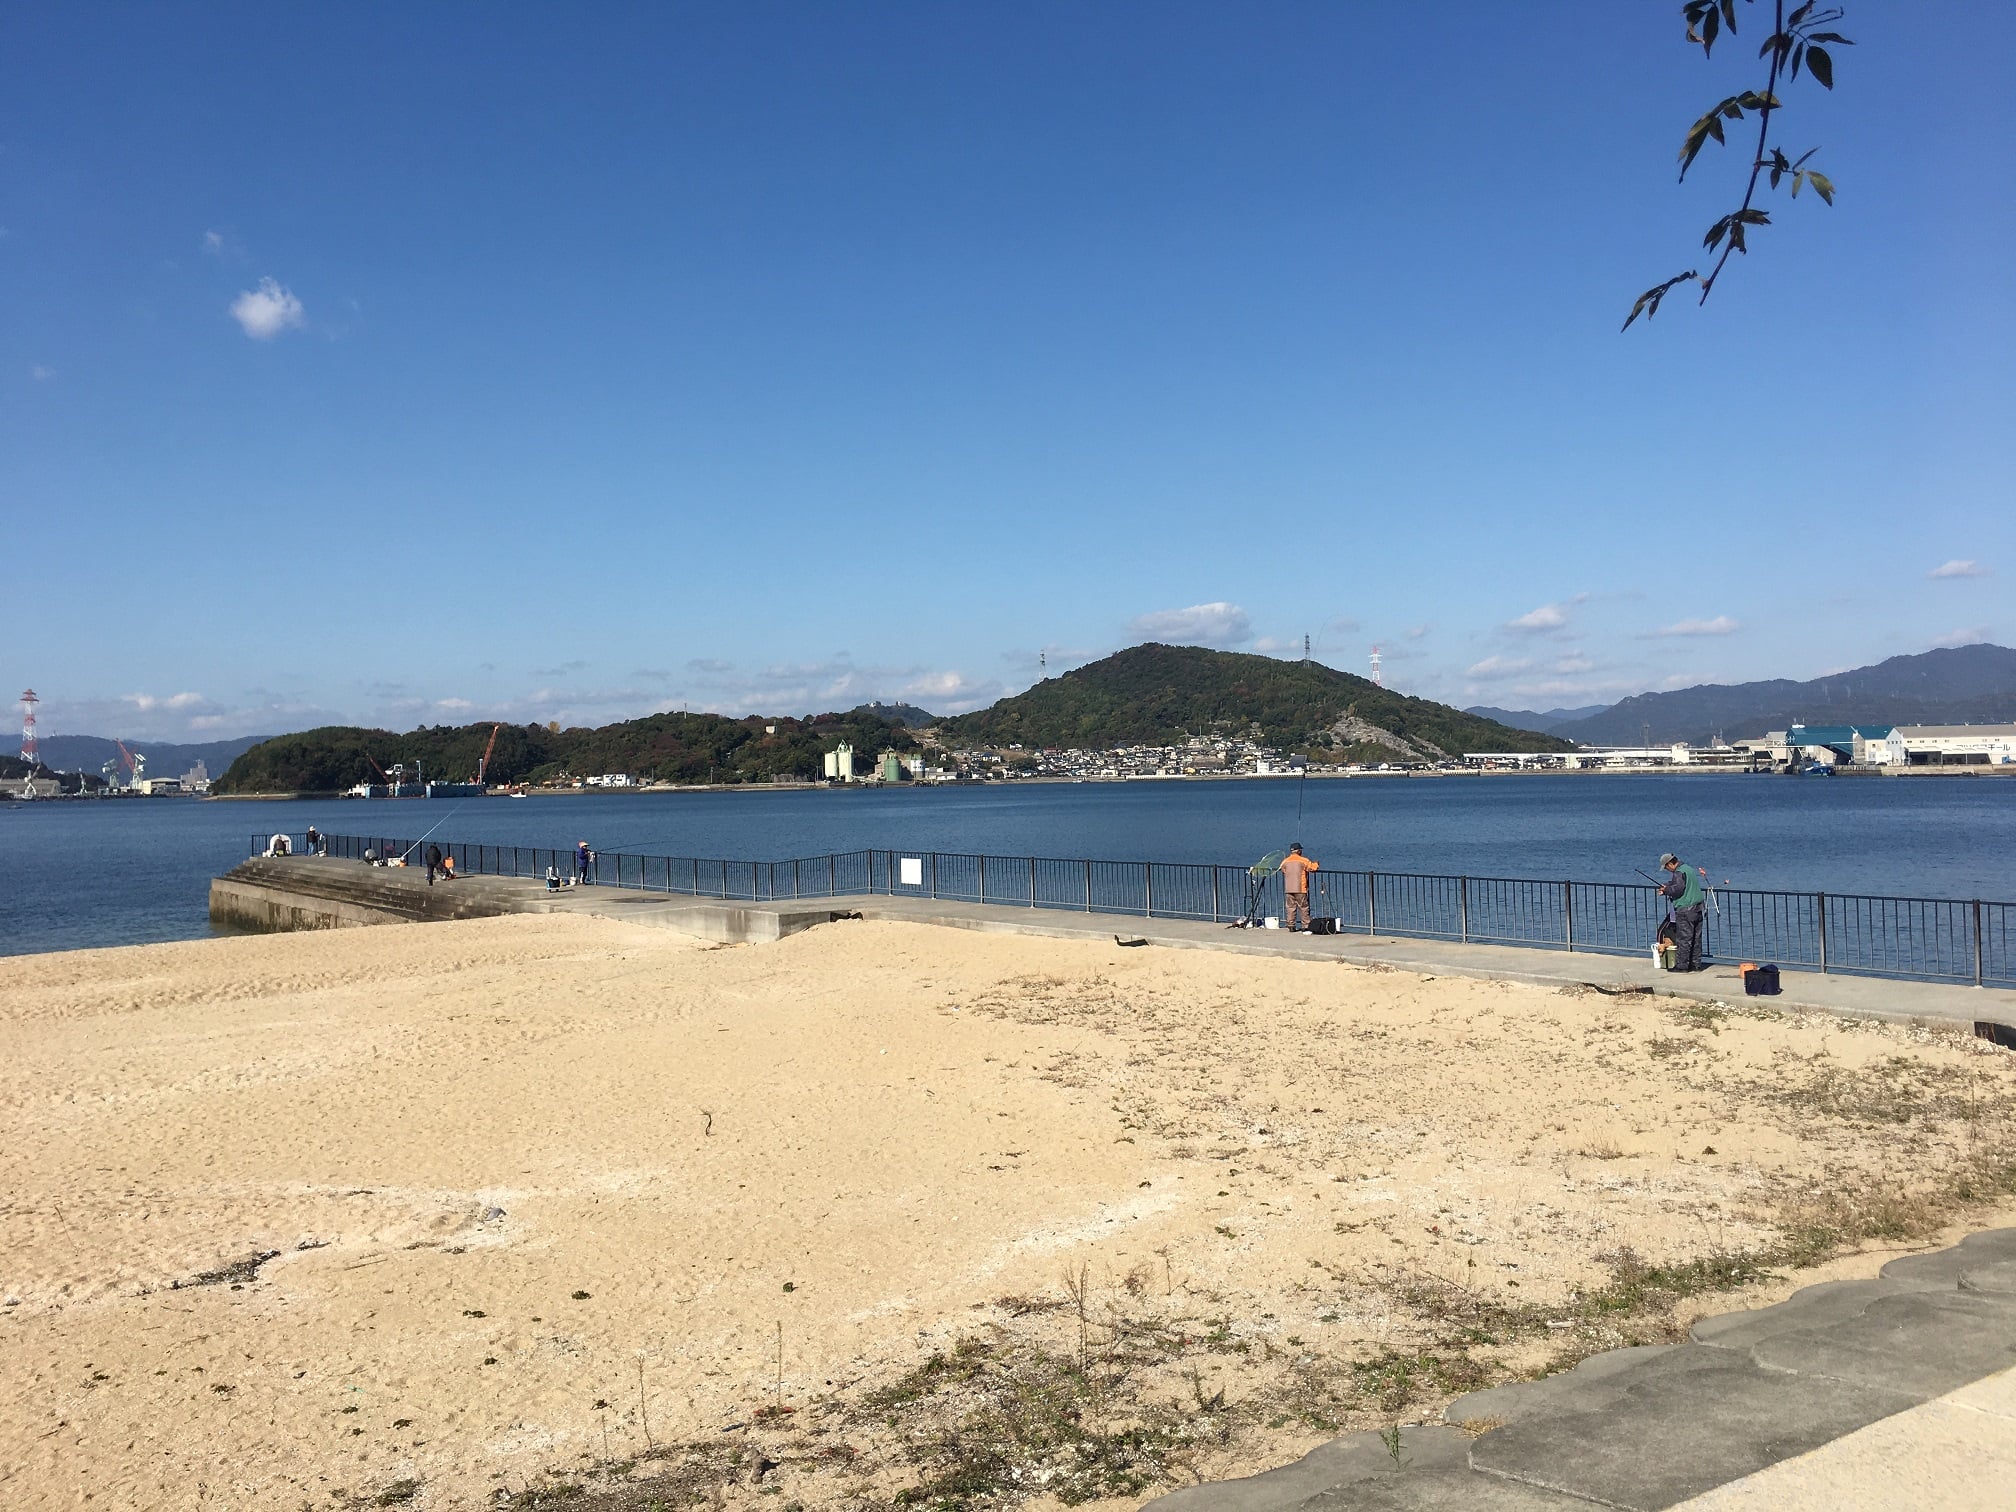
column 483, row 766
column 135, row 764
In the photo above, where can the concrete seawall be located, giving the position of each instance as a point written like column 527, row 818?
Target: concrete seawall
column 242, row 903
column 304, row 892
column 320, row 892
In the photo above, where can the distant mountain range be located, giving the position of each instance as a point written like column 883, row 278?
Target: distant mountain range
column 1159, row 695
column 1527, row 719
column 89, row 753
column 1961, row 685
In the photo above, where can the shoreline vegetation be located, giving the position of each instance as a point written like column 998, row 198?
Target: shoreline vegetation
column 557, row 1212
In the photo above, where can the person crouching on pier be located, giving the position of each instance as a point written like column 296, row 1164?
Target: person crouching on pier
column 1295, row 870
column 1683, row 889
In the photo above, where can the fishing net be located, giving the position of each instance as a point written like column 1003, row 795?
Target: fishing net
column 1267, row 865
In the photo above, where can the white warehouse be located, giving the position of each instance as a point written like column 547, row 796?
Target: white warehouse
column 1950, row 745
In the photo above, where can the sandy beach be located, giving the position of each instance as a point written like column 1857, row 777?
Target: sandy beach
column 463, row 1215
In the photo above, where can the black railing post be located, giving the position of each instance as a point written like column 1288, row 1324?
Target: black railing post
column 1214, row 893
column 1568, row 913
column 1820, row 912
column 1032, row 881
column 1088, row 887
column 934, row 874
column 1148, row 886
column 832, row 875
column 1463, row 908
column 1371, row 903
column 1977, row 942
column 983, row 880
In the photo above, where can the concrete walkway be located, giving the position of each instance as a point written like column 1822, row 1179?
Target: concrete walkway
column 403, row 892
column 1896, row 1393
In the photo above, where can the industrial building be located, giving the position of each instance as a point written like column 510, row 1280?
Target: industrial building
column 1951, row 745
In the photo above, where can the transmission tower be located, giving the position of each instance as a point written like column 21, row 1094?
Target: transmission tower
column 1377, row 680
column 1042, row 666
column 31, row 751
column 1305, row 646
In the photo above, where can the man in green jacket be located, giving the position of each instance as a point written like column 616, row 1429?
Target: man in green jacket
column 1683, row 889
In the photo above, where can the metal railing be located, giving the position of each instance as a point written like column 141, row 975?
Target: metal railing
column 1924, row 939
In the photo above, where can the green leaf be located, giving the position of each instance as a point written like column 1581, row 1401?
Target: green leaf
column 1792, row 21
column 1822, row 185
column 1797, row 180
column 1821, row 66
column 1834, row 37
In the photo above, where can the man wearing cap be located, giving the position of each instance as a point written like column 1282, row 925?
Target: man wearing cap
column 1295, row 869
column 1683, row 889
column 583, row 859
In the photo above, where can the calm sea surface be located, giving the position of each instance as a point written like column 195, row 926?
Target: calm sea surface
column 118, row 873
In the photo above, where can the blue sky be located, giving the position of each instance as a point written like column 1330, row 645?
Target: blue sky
column 415, row 364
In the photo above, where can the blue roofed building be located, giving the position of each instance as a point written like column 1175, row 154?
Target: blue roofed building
column 1837, row 744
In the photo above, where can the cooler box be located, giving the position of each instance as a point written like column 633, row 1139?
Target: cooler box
column 1761, row 981
column 1321, row 925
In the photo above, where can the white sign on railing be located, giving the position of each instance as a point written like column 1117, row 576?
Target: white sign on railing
column 913, row 871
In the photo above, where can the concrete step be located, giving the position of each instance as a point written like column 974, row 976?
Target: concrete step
column 1647, row 1428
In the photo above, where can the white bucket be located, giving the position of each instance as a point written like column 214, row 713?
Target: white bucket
column 1273, row 922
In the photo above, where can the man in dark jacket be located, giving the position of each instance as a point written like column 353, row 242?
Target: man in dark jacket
column 1683, row 889
column 433, row 862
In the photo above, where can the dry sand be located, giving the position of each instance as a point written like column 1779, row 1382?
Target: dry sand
column 545, row 1190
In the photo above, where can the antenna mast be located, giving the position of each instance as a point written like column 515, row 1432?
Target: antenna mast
column 1042, row 666
column 1305, row 645
column 31, row 750
column 1377, row 680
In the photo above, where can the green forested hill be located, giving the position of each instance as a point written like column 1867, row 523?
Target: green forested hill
column 669, row 747
column 1154, row 694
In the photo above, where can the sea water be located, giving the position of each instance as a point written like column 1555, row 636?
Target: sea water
column 75, row 874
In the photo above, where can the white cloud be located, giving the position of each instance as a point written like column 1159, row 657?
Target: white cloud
column 1720, row 625
column 266, row 311
column 1415, row 632
column 1499, row 666
column 1962, row 637
column 1959, row 568
column 1218, row 624
column 213, row 242
column 1572, row 663
column 41, row 374
column 148, row 702
column 1542, row 621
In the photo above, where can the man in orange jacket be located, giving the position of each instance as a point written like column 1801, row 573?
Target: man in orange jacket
column 1295, row 870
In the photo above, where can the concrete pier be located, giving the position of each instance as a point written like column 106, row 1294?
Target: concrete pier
column 320, row 892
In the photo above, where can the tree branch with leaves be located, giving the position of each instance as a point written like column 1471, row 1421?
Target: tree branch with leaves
column 1799, row 40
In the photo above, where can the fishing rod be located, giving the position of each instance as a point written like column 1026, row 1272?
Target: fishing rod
column 1706, row 886
column 437, row 824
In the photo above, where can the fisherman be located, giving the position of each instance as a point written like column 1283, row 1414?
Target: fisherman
column 1295, row 870
column 433, row 863
column 314, row 838
column 583, row 859
column 1682, row 888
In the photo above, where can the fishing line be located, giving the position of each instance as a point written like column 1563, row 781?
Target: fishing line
column 437, row 824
